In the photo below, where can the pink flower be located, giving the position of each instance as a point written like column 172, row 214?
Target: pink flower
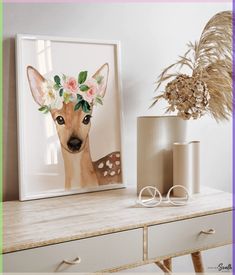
column 90, row 94
column 71, row 84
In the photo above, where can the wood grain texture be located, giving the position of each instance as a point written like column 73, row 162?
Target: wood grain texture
column 163, row 267
column 49, row 221
column 197, row 262
column 168, row 264
column 145, row 244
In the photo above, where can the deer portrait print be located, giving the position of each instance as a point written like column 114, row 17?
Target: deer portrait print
column 70, row 102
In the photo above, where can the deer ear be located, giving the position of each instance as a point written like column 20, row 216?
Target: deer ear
column 102, row 76
column 36, row 81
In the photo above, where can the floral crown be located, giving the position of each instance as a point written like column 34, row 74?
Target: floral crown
column 82, row 91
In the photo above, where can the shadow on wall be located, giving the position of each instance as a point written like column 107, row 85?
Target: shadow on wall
column 10, row 150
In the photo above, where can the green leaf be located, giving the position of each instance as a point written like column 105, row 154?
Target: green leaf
column 99, row 79
column 64, row 77
column 57, row 87
column 61, row 92
column 84, row 88
column 45, row 109
column 57, row 80
column 86, row 106
column 79, row 97
column 78, row 105
column 99, row 100
column 82, row 77
column 42, row 108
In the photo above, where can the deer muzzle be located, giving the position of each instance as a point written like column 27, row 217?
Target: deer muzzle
column 74, row 144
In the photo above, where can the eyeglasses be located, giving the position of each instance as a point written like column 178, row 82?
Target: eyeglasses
column 156, row 197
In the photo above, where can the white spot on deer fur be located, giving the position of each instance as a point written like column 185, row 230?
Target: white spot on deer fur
column 105, row 173
column 109, row 164
column 101, row 165
column 117, row 162
column 112, row 173
column 119, row 171
column 118, row 155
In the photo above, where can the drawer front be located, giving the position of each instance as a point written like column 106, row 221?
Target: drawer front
column 96, row 253
column 182, row 236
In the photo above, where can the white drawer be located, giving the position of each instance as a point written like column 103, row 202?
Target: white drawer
column 96, row 253
column 184, row 236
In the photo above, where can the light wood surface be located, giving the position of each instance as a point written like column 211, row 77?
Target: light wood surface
column 50, row 221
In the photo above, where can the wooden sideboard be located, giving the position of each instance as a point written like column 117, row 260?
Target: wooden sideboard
column 108, row 231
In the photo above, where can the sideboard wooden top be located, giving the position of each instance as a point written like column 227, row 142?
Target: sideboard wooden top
column 48, row 221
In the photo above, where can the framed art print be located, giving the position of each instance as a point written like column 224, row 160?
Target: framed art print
column 69, row 116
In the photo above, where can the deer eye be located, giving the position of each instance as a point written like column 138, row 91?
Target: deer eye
column 86, row 119
column 60, row 120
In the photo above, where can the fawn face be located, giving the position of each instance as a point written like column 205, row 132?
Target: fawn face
column 72, row 126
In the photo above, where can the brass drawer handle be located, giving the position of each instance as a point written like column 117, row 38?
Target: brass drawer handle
column 77, row 260
column 209, row 232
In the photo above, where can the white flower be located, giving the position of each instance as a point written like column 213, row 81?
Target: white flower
column 57, row 103
column 51, row 97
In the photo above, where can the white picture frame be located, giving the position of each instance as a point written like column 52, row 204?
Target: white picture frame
column 42, row 164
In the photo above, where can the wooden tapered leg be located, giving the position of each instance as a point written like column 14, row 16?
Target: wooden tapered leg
column 197, row 262
column 163, row 267
column 168, row 263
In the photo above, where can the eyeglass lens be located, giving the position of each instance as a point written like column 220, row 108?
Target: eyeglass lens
column 178, row 200
column 150, row 196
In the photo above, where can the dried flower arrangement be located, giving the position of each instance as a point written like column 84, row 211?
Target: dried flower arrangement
column 209, row 88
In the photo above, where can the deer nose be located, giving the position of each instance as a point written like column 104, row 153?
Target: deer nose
column 74, row 144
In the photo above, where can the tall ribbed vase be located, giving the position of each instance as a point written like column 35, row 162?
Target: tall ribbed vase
column 155, row 138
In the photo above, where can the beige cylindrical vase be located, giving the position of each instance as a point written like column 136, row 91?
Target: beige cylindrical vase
column 155, row 138
column 186, row 167
column 182, row 168
column 196, row 171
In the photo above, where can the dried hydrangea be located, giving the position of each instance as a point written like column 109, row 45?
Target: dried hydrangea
column 188, row 95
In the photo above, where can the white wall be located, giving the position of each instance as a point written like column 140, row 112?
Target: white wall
column 152, row 36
